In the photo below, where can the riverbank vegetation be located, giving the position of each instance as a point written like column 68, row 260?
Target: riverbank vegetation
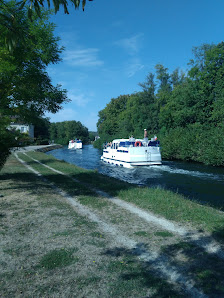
column 63, row 132
column 51, row 248
column 186, row 110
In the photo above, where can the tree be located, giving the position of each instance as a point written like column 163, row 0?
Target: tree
column 62, row 132
column 187, row 112
column 109, row 122
column 37, row 4
column 149, row 85
column 9, row 20
column 26, row 90
column 41, row 129
column 164, row 88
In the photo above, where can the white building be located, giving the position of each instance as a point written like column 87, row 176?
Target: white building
column 23, row 128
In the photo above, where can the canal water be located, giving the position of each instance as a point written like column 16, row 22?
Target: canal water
column 204, row 184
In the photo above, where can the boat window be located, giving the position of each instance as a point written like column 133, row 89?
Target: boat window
column 154, row 143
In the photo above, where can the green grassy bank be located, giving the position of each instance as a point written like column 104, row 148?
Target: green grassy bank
column 162, row 202
column 50, row 249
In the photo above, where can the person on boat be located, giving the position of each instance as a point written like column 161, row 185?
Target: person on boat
column 146, row 136
column 131, row 139
column 145, row 133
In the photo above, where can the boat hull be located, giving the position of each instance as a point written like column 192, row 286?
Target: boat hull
column 75, row 146
column 129, row 164
column 132, row 156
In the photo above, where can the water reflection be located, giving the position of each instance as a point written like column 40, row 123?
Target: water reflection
column 197, row 182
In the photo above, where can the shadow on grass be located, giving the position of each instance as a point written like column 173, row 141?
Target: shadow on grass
column 218, row 234
column 23, row 181
column 137, row 276
column 32, row 183
column 90, row 177
column 188, row 259
column 206, row 269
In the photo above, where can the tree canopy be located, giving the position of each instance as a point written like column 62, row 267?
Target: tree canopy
column 187, row 111
column 63, row 132
column 26, row 90
column 37, row 4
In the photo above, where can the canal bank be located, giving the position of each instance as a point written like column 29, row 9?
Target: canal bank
column 39, row 148
column 203, row 184
column 66, row 226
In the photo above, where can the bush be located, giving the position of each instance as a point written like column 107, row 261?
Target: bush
column 7, row 141
column 195, row 142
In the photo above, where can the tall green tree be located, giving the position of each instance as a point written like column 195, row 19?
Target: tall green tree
column 109, row 122
column 186, row 110
column 26, row 90
column 63, row 132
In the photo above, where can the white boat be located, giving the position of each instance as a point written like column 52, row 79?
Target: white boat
column 75, row 144
column 132, row 152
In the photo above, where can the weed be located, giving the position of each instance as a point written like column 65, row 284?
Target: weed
column 143, row 234
column 163, row 234
column 58, row 258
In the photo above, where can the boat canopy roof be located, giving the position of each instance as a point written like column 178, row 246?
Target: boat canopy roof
column 120, row 140
column 127, row 140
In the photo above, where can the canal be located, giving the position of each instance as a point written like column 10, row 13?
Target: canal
column 198, row 182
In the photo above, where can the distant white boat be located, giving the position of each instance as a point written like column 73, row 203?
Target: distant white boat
column 133, row 152
column 75, row 144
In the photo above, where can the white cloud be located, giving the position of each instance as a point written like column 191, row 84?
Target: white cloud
column 78, row 99
column 131, row 44
column 133, row 66
column 83, row 57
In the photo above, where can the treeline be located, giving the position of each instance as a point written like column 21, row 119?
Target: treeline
column 185, row 110
column 63, row 132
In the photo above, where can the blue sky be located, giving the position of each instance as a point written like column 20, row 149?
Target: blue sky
column 114, row 44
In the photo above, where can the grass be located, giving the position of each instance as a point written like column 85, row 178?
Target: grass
column 163, row 234
column 143, row 234
column 132, row 276
column 165, row 203
column 58, row 258
column 50, row 250
column 93, row 202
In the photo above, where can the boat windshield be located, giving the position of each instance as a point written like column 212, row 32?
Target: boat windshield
column 126, row 144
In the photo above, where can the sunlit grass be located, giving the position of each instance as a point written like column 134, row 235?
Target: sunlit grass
column 168, row 204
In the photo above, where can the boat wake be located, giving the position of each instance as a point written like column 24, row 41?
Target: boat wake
column 198, row 174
